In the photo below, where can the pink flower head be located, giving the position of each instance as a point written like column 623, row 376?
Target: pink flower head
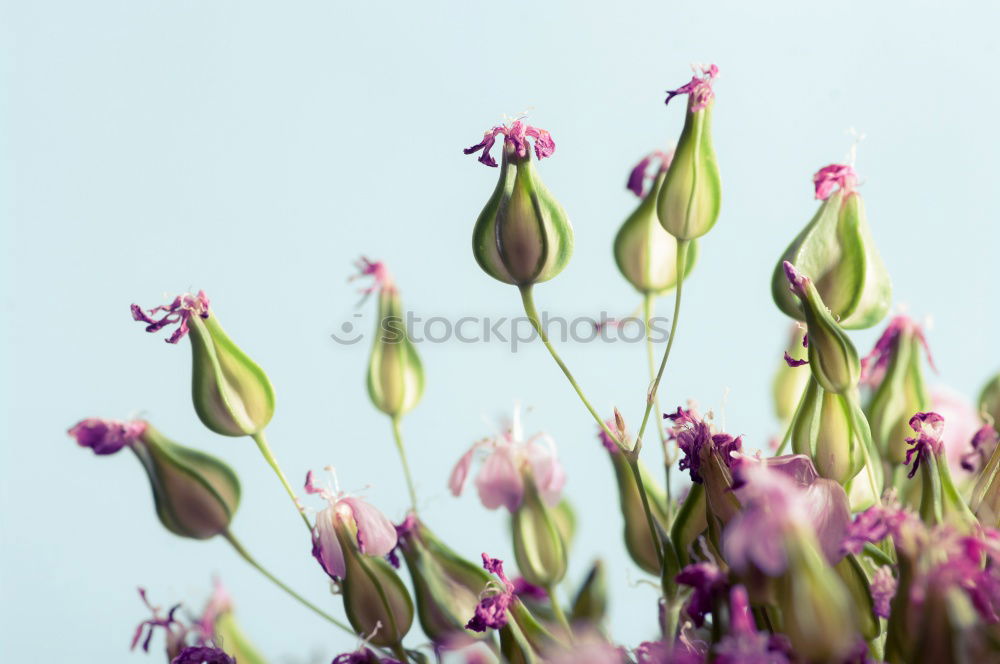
column 983, row 442
column 106, row 436
column 379, row 273
column 876, row 523
column 873, row 365
column 640, row 174
column 516, row 137
column 700, row 88
column 177, row 312
column 744, row 644
column 508, row 457
column 826, row 179
column 883, row 589
column 495, row 599
column 219, row 603
column 692, row 434
column 376, row 536
column 929, row 427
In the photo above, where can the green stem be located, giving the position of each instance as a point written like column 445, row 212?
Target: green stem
column 648, row 304
column 559, row 613
column 528, row 299
column 276, row 581
column 398, row 436
column 271, row 461
column 682, row 247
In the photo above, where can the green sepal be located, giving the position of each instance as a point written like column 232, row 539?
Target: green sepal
column 373, row 595
column 591, row 601
column 645, row 253
column 901, row 393
column 989, row 401
column 638, row 542
column 689, row 523
column 523, row 235
column 538, row 544
column 833, row 359
column 232, row 395
column 689, row 201
column 195, row 494
column 395, row 373
column 858, row 584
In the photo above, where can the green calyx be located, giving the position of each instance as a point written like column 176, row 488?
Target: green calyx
column 833, row 359
column 645, row 253
column 395, row 373
column 689, row 201
column 837, row 251
column 232, row 395
column 538, row 543
column 901, row 393
column 638, row 540
column 522, row 236
column 196, row 495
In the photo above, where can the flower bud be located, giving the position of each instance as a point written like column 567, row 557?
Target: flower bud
column 895, row 368
column 691, row 195
column 645, row 253
column 522, row 236
column 446, row 587
column 196, row 495
column 395, row 374
column 940, row 500
column 232, row 395
column 538, row 546
column 832, row 357
column 989, row 401
column 825, row 430
column 837, row 251
column 789, row 381
column 591, row 601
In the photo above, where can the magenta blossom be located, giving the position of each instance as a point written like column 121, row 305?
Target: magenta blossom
column 508, row 458
column 876, row 523
column 177, row 312
column 744, row 644
column 106, row 436
column 883, row 589
column 376, row 536
column 640, row 174
column 496, row 598
column 202, row 655
column 692, row 434
column 929, row 427
column 219, row 603
column 379, row 273
column 873, row 365
column 709, row 583
column 516, row 137
column 830, row 177
column 362, row 655
column 700, row 88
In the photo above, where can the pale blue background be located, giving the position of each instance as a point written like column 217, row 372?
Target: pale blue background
column 255, row 149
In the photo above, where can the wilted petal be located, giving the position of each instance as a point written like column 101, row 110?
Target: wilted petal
column 829, row 512
column 548, row 473
column 326, row 546
column 376, row 534
column 499, row 480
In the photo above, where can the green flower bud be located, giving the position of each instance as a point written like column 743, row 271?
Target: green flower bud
column 591, row 602
column 446, row 587
column 375, row 599
column 395, row 374
column 837, row 251
column 689, row 201
column 196, row 495
column 538, row 545
column 522, row 236
column 790, row 382
column 832, row 357
column 989, row 401
column 824, row 428
column 232, row 395
column 645, row 253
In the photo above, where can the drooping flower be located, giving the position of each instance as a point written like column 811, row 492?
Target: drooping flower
column 375, row 534
column 178, row 312
column 709, row 584
column 202, row 655
column 496, row 598
column 699, row 87
column 883, row 589
column 929, row 427
column 507, row 459
column 106, row 436
column 829, row 178
column 516, row 136
column 639, row 175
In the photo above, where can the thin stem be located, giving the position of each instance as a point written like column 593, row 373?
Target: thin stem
column 271, row 461
column 528, row 299
column 558, row 611
column 240, row 549
column 648, row 305
column 682, row 246
column 397, row 434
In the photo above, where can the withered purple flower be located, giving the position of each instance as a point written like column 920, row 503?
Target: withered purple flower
column 177, row 312
column 516, row 136
column 106, row 436
column 491, row 612
column 203, row 655
column 639, row 175
column 699, row 87
column 709, row 583
column 929, row 428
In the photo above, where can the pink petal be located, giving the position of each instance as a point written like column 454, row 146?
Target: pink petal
column 326, row 546
column 548, row 473
column 829, row 512
column 460, row 473
column 376, row 534
column 963, row 423
column 499, row 481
